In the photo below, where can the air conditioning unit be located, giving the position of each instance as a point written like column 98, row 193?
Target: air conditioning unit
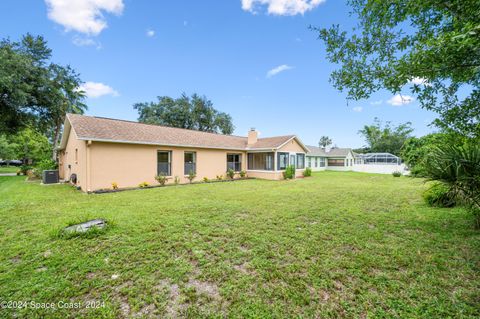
column 50, row 177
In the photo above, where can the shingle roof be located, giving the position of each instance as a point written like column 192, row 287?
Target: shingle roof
column 339, row 152
column 316, row 151
column 334, row 152
column 106, row 129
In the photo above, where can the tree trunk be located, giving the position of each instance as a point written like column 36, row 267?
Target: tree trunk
column 56, row 137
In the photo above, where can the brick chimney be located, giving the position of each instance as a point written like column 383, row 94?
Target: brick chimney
column 252, row 136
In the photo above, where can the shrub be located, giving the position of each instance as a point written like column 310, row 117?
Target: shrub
column 231, row 173
column 243, row 174
column 191, row 176
column 397, row 174
column 45, row 164
column 114, row 185
column 458, row 167
column 289, row 172
column 161, row 179
column 24, row 169
column 142, row 185
column 176, row 180
column 439, row 195
column 307, row 172
column 206, row 180
column 219, row 177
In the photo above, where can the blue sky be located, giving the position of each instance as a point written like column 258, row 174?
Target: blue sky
column 136, row 50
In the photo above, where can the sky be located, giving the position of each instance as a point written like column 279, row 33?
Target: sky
column 254, row 59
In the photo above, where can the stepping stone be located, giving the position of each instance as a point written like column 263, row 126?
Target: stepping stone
column 83, row 227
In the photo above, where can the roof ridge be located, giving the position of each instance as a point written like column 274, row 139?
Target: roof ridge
column 156, row 125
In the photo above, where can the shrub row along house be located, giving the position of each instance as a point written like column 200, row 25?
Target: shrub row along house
column 96, row 152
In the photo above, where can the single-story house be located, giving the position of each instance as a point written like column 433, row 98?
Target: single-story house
column 340, row 159
column 98, row 151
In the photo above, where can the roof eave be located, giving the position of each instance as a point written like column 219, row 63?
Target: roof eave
column 93, row 139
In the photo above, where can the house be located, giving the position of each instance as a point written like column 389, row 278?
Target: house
column 95, row 152
column 339, row 159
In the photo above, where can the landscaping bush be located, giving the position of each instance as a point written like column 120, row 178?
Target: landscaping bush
column 439, row 195
column 24, row 169
column 191, row 176
column 43, row 165
column 243, row 174
column 161, row 179
column 219, row 177
column 231, row 173
column 142, row 185
column 458, row 167
column 114, row 186
column 206, row 180
column 307, row 172
column 176, row 180
column 397, row 174
column 289, row 172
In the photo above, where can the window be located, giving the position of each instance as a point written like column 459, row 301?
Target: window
column 309, row 161
column 300, row 161
column 322, row 161
column 234, row 161
column 336, row 162
column 282, row 161
column 164, row 163
column 260, row 161
column 190, row 163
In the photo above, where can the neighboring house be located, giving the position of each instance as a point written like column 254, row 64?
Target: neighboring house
column 102, row 151
column 339, row 159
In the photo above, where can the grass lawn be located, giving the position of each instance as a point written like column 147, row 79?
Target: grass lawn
column 8, row 169
column 334, row 245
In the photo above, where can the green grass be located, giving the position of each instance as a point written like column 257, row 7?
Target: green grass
column 8, row 169
column 334, row 245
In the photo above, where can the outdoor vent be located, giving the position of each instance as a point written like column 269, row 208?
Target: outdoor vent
column 50, row 177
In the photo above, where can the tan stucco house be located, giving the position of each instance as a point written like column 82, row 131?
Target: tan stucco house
column 98, row 151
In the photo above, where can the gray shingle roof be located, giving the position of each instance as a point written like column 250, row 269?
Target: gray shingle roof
column 106, row 129
column 334, row 152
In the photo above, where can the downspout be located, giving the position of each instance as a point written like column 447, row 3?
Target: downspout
column 88, row 167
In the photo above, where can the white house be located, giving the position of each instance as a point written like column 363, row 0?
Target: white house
column 344, row 159
column 337, row 159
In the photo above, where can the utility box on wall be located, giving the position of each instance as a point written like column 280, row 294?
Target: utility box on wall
column 50, row 177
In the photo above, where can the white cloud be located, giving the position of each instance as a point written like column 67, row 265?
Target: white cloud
column 85, row 42
column 358, row 109
column 282, row 7
column 418, row 81
column 398, row 100
column 150, row 33
column 84, row 16
column 97, row 89
column 278, row 69
column 376, row 102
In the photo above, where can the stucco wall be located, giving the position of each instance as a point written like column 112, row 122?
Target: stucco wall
column 129, row 164
column 292, row 146
column 69, row 165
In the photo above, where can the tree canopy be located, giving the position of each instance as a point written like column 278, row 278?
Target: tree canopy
column 195, row 112
column 431, row 46
column 324, row 141
column 385, row 137
column 35, row 92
